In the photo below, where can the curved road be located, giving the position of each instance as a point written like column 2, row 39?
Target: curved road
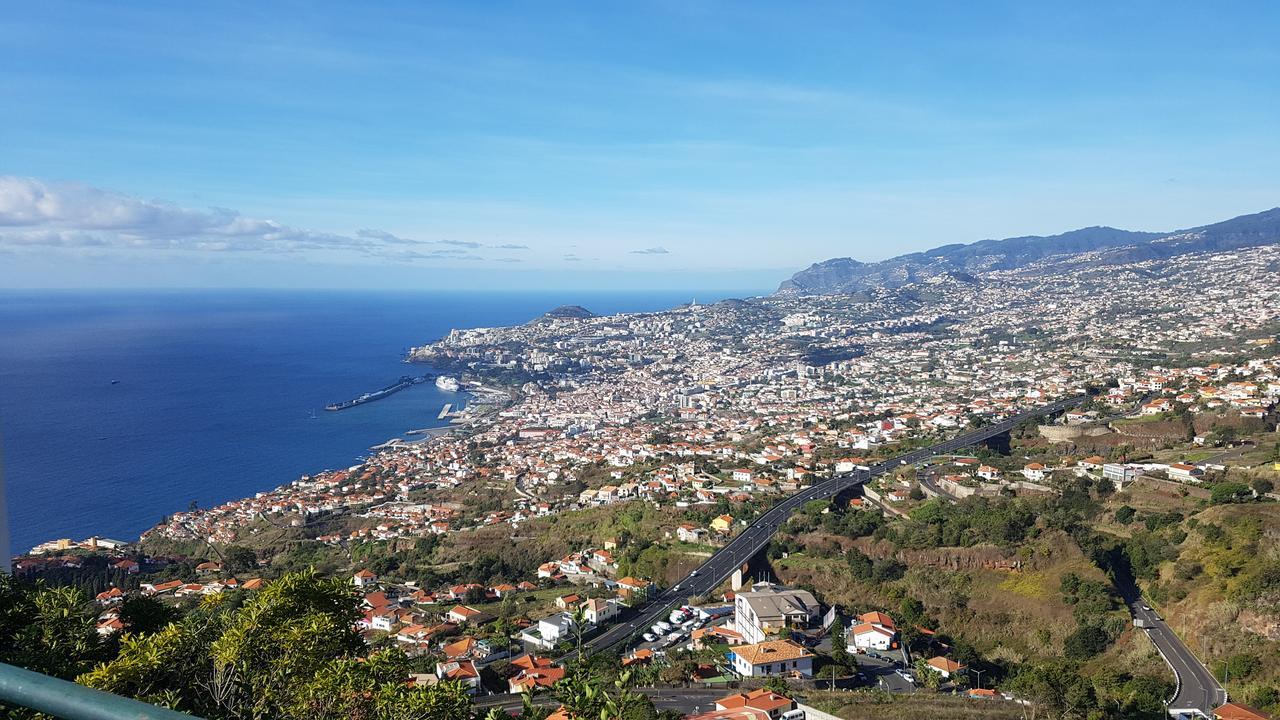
column 756, row 536
column 1197, row 689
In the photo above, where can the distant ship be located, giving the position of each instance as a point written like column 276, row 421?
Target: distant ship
column 404, row 382
column 449, row 384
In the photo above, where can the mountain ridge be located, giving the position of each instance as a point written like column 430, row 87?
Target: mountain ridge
column 1112, row 245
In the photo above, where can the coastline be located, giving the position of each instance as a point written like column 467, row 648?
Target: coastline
column 458, row 423
column 220, row 393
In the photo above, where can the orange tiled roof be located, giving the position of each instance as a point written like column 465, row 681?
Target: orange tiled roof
column 771, row 651
column 1239, row 711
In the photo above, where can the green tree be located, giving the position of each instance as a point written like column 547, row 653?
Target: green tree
column 860, row 564
column 587, row 696
column 51, row 630
column 239, row 559
column 289, row 651
column 144, row 615
column 1054, row 688
column 931, row 678
column 375, row 688
column 579, row 626
column 1230, row 492
column 777, row 685
column 839, row 651
column 679, row 670
column 1085, row 642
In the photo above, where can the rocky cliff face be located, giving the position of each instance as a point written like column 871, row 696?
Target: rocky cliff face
column 1094, row 245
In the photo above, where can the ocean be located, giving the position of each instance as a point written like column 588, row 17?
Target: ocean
column 217, row 394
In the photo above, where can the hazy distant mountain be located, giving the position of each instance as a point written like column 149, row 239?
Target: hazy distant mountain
column 1106, row 245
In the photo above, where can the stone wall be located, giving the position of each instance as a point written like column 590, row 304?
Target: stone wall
column 1070, row 433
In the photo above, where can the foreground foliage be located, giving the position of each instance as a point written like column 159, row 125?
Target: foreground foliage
column 288, row 651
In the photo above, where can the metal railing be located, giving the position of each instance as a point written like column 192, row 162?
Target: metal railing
column 71, row 701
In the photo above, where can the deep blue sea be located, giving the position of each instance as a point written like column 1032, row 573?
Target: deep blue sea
column 216, row 391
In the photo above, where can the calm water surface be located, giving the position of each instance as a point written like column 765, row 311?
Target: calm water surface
column 216, row 392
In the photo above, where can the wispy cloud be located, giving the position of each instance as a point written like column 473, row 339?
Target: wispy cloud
column 409, row 255
column 471, row 244
column 658, row 250
column 34, row 213
column 37, row 214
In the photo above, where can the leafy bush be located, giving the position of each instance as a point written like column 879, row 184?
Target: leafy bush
column 1085, row 642
column 1236, row 667
column 1230, row 492
column 290, row 651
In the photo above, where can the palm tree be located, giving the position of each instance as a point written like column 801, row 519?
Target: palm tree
column 579, row 626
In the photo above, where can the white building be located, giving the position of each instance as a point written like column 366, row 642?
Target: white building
column 772, row 658
column 868, row 636
column 946, row 667
column 1183, row 472
column 549, row 631
column 768, row 608
column 599, row 611
column 1121, row 476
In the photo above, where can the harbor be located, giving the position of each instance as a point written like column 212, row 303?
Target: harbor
column 427, row 435
column 404, row 382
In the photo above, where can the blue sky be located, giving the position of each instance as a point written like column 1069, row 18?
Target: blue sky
column 673, row 144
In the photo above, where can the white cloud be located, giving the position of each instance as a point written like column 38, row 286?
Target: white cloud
column 37, row 214
column 651, row 251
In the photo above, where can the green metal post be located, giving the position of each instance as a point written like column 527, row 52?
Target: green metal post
column 71, row 701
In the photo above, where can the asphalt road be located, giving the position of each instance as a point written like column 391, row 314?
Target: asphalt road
column 684, row 700
column 756, row 536
column 1197, row 688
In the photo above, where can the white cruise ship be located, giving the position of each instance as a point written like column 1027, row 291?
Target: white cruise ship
column 444, row 382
